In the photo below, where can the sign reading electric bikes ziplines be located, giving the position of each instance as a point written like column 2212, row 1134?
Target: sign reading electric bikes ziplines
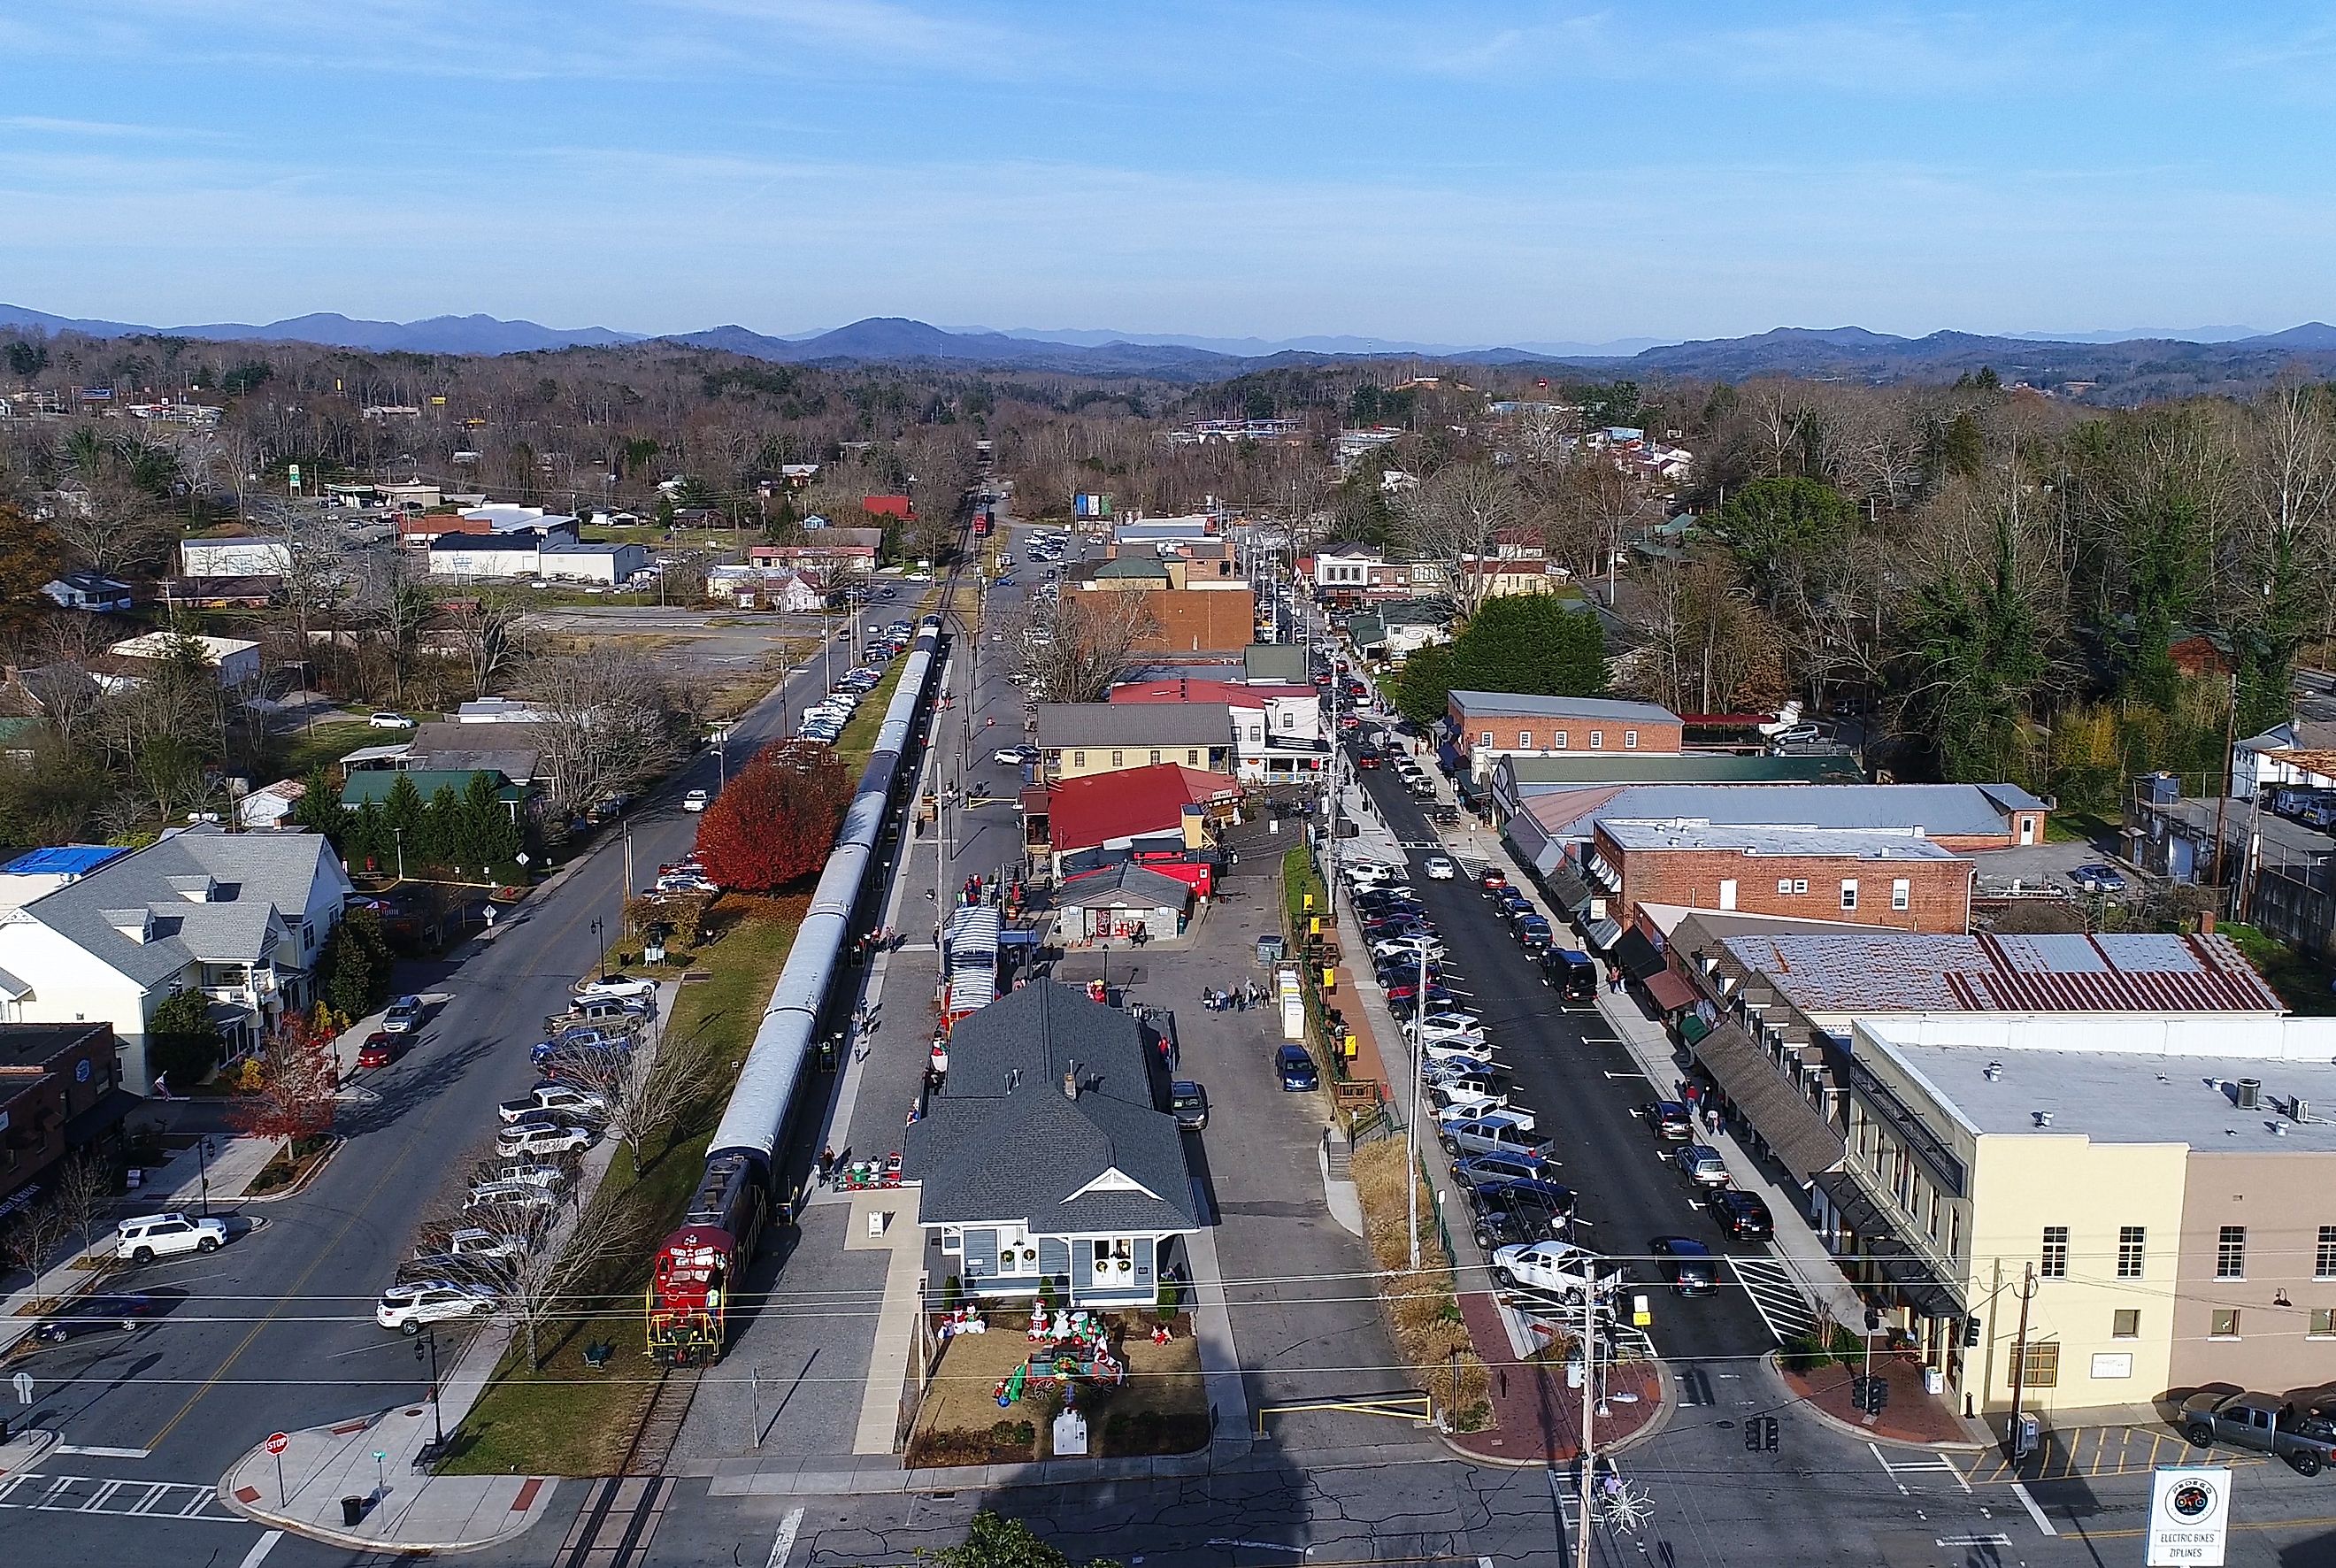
column 2189, row 1512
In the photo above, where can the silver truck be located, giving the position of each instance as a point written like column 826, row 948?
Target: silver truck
column 2266, row 1422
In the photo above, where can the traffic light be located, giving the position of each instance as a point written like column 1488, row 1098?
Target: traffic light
column 1857, row 1392
column 1971, row 1332
column 1769, row 1433
column 1873, row 1320
column 1752, row 1435
column 1877, row 1395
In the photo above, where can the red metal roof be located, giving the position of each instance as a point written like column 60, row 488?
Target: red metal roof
column 1188, row 688
column 1083, row 813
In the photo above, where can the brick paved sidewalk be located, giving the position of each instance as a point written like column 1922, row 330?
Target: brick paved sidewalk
column 1536, row 1418
column 1911, row 1417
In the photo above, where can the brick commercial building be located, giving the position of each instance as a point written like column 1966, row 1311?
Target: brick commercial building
column 1185, row 620
column 60, row 1090
column 1869, row 877
column 1959, row 817
column 1487, row 726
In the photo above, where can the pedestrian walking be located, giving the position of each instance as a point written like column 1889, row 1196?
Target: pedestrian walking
column 1711, row 1119
column 826, row 1164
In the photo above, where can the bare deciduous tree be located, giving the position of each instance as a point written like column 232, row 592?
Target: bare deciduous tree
column 611, row 719
column 1456, row 519
column 1075, row 647
column 643, row 1090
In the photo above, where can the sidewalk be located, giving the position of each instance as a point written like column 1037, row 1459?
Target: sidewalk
column 1911, row 1416
column 1536, row 1416
column 189, row 1181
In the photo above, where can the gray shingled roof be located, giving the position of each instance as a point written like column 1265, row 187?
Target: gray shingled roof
column 251, row 874
column 1066, row 725
column 1003, row 1142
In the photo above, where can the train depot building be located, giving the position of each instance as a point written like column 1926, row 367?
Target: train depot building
column 1044, row 1157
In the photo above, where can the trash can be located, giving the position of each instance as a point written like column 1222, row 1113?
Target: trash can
column 1268, row 950
column 352, row 1510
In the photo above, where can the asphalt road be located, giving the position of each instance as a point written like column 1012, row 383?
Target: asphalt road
column 276, row 1330
column 1583, row 1085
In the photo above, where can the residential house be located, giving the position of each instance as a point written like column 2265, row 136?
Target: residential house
column 1077, row 739
column 89, row 590
column 2282, row 867
column 60, row 1092
column 374, row 785
column 240, row 918
column 244, row 556
column 269, row 807
column 749, row 586
column 1096, row 1192
column 1397, row 628
column 1487, row 726
column 44, row 871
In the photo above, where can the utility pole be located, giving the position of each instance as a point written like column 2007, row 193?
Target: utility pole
column 2020, row 1352
column 1588, row 1483
column 2223, row 795
column 1411, row 1120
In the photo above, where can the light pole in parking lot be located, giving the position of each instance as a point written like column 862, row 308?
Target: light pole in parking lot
column 1411, row 1120
column 437, row 1427
column 597, row 948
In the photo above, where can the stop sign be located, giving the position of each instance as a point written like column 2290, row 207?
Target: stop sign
column 277, row 1442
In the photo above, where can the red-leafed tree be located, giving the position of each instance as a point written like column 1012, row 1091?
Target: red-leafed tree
column 775, row 822
column 290, row 1085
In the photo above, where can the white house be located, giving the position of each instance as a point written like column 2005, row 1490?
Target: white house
column 241, row 557
column 88, row 591
column 236, row 659
column 239, row 917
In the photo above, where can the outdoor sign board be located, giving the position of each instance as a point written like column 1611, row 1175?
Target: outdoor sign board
column 2189, row 1511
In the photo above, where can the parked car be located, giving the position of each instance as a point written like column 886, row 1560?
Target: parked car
column 404, row 1016
column 1743, row 1215
column 1493, row 1135
column 1189, row 1104
column 695, row 801
column 152, row 1236
column 387, row 720
column 1558, row 1269
column 1403, row 1001
column 1475, row 1095
column 380, row 1049
column 2264, row 1423
column 116, row 1312
column 409, row 1309
column 1296, row 1069
column 1573, row 976
column 1519, row 1212
column 2097, row 877
column 1018, row 755
column 565, row 1099
column 1460, row 1050
column 1446, row 815
column 1702, row 1164
column 1451, row 1025
column 577, row 1043
column 1688, row 1265
column 1668, row 1119
column 1439, row 868
column 1491, row 879
column 477, row 1241
column 511, row 1193
column 540, row 1133
column 620, row 986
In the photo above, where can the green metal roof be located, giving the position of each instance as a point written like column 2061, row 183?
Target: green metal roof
column 1691, row 767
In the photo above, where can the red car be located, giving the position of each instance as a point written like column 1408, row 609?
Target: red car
column 378, row 1051
column 1491, row 879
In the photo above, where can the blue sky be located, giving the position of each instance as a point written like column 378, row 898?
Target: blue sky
column 1454, row 172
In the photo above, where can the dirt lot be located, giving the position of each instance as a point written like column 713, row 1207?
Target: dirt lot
column 1162, row 1408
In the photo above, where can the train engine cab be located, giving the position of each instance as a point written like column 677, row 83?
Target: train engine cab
column 689, row 1294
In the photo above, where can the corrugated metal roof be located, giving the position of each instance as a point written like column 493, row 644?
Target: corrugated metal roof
column 1477, row 703
column 1899, row 971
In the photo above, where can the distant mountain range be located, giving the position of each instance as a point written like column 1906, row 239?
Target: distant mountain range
column 2118, row 367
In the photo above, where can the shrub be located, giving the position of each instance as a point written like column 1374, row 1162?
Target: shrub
column 1804, row 1353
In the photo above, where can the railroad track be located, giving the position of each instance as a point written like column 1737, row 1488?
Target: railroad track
column 660, row 1427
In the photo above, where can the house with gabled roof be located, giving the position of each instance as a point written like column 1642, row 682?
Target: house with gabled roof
column 1045, row 1159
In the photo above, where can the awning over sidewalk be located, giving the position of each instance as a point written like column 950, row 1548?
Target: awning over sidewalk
column 1804, row 1140
column 1638, row 956
column 1669, row 993
column 1567, row 889
column 1917, row 1284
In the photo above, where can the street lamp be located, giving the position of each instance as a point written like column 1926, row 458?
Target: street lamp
column 401, row 853
column 601, row 949
column 437, row 1427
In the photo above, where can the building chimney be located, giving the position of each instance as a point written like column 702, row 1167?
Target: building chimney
column 1071, row 1082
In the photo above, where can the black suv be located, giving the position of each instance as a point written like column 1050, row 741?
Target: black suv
column 1742, row 1215
column 1518, row 1211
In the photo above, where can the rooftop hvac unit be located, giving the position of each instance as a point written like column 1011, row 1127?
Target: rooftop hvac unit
column 2250, row 1094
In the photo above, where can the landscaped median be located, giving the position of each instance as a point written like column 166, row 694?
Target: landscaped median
column 1422, row 1305
column 565, row 1418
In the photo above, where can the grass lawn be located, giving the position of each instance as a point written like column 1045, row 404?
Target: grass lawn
column 859, row 736
column 304, row 750
column 2300, row 981
column 567, row 1420
column 2075, row 827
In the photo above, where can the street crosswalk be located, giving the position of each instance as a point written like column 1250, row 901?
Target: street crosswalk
column 1776, row 1296
column 110, row 1495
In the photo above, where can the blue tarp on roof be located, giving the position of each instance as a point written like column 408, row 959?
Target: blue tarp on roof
column 64, row 861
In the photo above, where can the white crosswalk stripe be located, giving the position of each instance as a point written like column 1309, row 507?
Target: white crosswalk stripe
column 1774, row 1296
column 110, row 1495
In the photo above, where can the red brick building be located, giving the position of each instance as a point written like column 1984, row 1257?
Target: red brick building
column 1487, row 726
column 1857, row 876
column 60, row 1090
